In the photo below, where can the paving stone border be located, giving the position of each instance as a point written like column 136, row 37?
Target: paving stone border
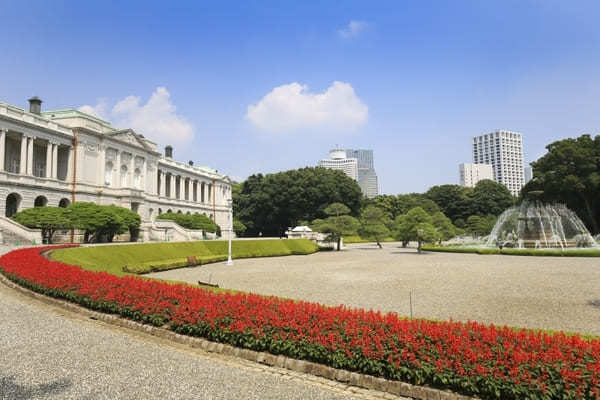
column 305, row 367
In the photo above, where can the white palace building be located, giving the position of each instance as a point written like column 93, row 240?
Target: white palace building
column 55, row 158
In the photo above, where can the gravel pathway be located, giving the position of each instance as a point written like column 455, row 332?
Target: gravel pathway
column 536, row 292
column 49, row 353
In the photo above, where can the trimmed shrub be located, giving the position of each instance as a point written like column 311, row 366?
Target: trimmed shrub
column 191, row 221
column 516, row 252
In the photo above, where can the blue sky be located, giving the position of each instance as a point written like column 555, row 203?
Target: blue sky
column 250, row 87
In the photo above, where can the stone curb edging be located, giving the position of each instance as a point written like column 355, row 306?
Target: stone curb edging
column 307, row 367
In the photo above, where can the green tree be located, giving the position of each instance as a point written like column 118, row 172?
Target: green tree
column 481, row 225
column 93, row 219
column 456, row 202
column 443, row 226
column 405, row 226
column 490, row 197
column 426, row 233
column 131, row 222
column 269, row 204
column 238, row 227
column 569, row 173
column 48, row 219
column 373, row 223
column 337, row 224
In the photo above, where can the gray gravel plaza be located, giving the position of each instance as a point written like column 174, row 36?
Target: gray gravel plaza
column 561, row 293
column 49, row 353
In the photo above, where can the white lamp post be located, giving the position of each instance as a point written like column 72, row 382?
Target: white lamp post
column 230, row 203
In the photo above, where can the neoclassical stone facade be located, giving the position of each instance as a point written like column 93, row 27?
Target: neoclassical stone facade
column 55, row 158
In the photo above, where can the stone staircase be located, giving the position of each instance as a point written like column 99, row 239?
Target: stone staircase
column 13, row 234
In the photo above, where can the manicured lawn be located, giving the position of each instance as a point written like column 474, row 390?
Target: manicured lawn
column 147, row 257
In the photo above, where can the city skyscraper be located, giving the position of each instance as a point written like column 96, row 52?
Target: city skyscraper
column 503, row 150
column 367, row 178
column 338, row 160
column 358, row 165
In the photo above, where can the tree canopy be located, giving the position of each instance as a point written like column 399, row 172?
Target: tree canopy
column 48, row 219
column 570, row 173
column 406, row 226
column 337, row 224
column 269, row 204
column 373, row 223
column 100, row 222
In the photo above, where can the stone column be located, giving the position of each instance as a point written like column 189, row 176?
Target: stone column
column 23, row 160
column 30, row 156
column 187, row 189
column 173, row 186
column 118, row 182
column 49, row 160
column 54, row 160
column 143, row 173
column 70, row 165
column 102, row 165
column 2, row 148
column 132, row 172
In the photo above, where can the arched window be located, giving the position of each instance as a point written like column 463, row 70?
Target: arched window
column 64, row 203
column 159, row 211
column 137, row 179
column 123, row 176
column 108, row 170
column 13, row 201
column 40, row 201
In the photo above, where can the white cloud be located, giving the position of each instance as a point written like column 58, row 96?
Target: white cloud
column 291, row 107
column 353, row 29
column 157, row 119
column 99, row 110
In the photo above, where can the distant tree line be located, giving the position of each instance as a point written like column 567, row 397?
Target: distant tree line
column 268, row 204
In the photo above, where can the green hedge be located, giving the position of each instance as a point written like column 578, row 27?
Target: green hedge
column 191, row 221
column 148, row 257
column 358, row 239
column 516, row 252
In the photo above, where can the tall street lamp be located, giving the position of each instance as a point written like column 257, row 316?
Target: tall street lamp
column 230, row 203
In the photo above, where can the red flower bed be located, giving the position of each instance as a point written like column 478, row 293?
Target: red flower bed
column 469, row 358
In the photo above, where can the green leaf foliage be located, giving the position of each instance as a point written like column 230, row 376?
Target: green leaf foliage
column 48, row 219
column 374, row 223
column 269, row 204
column 238, row 227
column 101, row 222
column 443, row 225
column 192, row 221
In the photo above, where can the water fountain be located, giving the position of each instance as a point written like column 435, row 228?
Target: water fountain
column 537, row 225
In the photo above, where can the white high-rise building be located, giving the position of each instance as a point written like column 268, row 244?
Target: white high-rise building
column 470, row 174
column 503, row 150
column 338, row 160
